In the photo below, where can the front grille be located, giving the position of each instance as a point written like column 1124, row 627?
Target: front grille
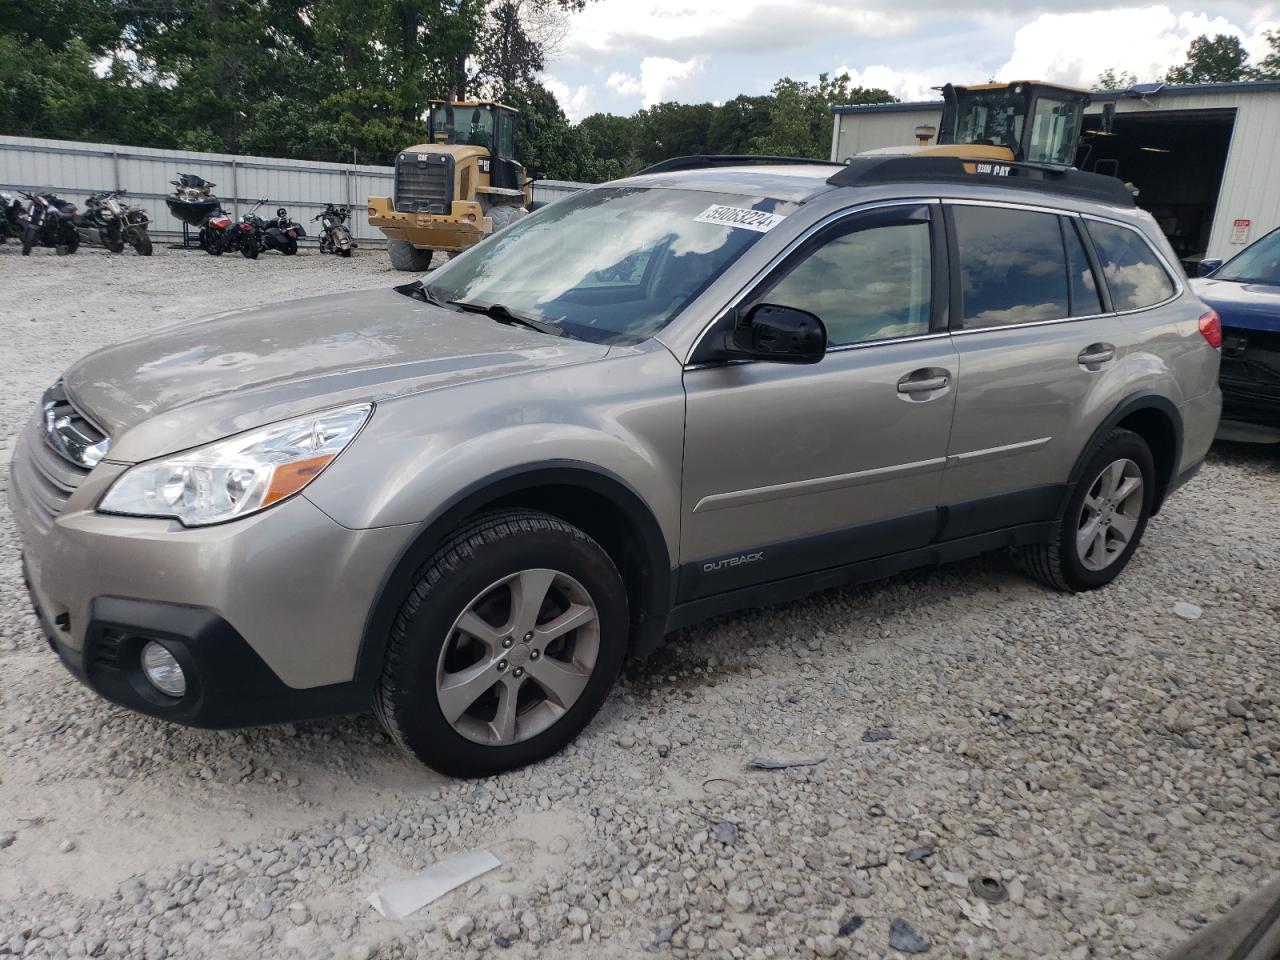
column 424, row 185
column 43, row 478
column 1251, row 358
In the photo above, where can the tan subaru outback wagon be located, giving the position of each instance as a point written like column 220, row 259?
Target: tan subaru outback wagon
column 463, row 502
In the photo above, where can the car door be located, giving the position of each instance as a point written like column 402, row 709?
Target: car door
column 1035, row 336
column 794, row 468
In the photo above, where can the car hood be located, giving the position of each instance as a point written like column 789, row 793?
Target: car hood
column 199, row 382
column 1250, row 306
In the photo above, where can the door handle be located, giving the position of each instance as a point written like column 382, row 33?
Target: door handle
column 1096, row 354
column 923, row 381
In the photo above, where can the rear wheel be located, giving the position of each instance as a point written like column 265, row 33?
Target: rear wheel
column 290, row 247
column 1103, row 520
column 506, row 646
column 405, row 256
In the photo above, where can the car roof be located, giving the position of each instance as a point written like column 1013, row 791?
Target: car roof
column 791, row 182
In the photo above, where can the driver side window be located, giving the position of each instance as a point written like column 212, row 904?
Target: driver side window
column 865, row 282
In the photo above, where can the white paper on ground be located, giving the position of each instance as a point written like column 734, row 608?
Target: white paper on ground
column 397, row 900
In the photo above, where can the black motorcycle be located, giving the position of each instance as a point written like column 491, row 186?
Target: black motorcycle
column 279, row 233
column 13, row 216
column 114, row 223
column 50, row 223
column 335, row 237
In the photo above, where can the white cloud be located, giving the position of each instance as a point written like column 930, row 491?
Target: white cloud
column 576, row 102
column 1075, row 47
column 624, row 84
column 660, row 79
column 680, row 29
column 905, row 85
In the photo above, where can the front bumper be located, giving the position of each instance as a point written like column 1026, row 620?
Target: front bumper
column 269, row 611
column 462, row 227
column 228, row 684
column 1250, row 376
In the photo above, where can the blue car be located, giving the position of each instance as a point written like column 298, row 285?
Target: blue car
column 1245, row 291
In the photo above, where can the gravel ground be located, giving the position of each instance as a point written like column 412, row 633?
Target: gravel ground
column 1115, row 765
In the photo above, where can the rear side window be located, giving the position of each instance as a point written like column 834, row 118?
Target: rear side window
column 1133, row 273
column 1085, row 301
column 1012, row 266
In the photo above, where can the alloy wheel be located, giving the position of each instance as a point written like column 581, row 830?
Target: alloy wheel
column 1110, row 515
column 518, row 657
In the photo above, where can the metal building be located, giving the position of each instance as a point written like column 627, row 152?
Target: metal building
column 1202, row 156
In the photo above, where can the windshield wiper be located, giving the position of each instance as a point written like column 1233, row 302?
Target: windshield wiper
column 419, row 291
column 504, row 315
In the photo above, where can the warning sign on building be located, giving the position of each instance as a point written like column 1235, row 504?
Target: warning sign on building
column 1240, row 231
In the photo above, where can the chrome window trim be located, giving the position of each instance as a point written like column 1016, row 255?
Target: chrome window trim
column 764, row 272
column 1179, row 287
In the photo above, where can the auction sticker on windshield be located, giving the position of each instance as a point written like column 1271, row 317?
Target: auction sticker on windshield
column 757, row 220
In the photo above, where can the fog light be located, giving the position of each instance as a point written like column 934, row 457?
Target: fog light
column 163, row 670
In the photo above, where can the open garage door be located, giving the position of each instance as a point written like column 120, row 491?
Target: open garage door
column 1176, row 160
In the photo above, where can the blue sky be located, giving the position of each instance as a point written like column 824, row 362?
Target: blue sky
column 620, row 55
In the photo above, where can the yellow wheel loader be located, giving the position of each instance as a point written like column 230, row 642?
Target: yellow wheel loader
column 455, row 190
column 1027, row 121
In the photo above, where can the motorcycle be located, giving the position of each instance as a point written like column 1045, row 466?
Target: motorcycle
column 280, row 233
column 13, row 216
column 335, row 237
column 218, row 234
column 50, row 223
column 115, row 223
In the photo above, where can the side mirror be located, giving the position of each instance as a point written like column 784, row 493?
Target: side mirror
column 776, row 334
column 531, row 128
column 1208, row 266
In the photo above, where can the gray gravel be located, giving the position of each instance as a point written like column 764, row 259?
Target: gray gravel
column 1115, row 765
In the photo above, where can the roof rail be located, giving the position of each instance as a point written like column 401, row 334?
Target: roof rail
column 859, row 171
column 701, row 160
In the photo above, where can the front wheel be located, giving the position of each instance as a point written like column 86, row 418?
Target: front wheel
column 1103, row 521
column 405, row 256
column 505, row 647
column 290, row 247
column 249, row 248
column 141, row 241
column 28, row 241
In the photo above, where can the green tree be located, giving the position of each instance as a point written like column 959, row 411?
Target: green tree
column 1220, row 59
column 1111, row 79
column 1269, row 68
column 800, row 118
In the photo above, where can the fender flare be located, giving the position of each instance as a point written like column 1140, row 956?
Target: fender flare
column 472, row 499
column 1135, row 402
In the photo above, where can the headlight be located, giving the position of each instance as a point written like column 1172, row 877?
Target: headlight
column 239, row 475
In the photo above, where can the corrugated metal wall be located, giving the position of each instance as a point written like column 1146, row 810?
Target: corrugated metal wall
column 1250, row 187
column 74, row 170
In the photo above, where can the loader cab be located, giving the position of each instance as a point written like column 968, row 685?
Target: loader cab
column 481, row 124
column 1025, row 121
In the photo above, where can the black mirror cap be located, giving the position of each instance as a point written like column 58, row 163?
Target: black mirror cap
column 777, row 334
column 1208, row 266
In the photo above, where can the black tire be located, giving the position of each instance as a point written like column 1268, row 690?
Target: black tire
column 142, row 243
column 505, row 215
column 345, row 252
column 28, row 241
column 290, row 247
column 249, row 249
column 1057, row 563
column 114, row 246
column 481, row 553
column 405, row 256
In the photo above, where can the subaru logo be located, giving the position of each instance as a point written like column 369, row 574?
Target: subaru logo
column 69, row 442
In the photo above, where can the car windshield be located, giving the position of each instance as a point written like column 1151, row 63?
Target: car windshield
column 611, row 264
column 1259, row 263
